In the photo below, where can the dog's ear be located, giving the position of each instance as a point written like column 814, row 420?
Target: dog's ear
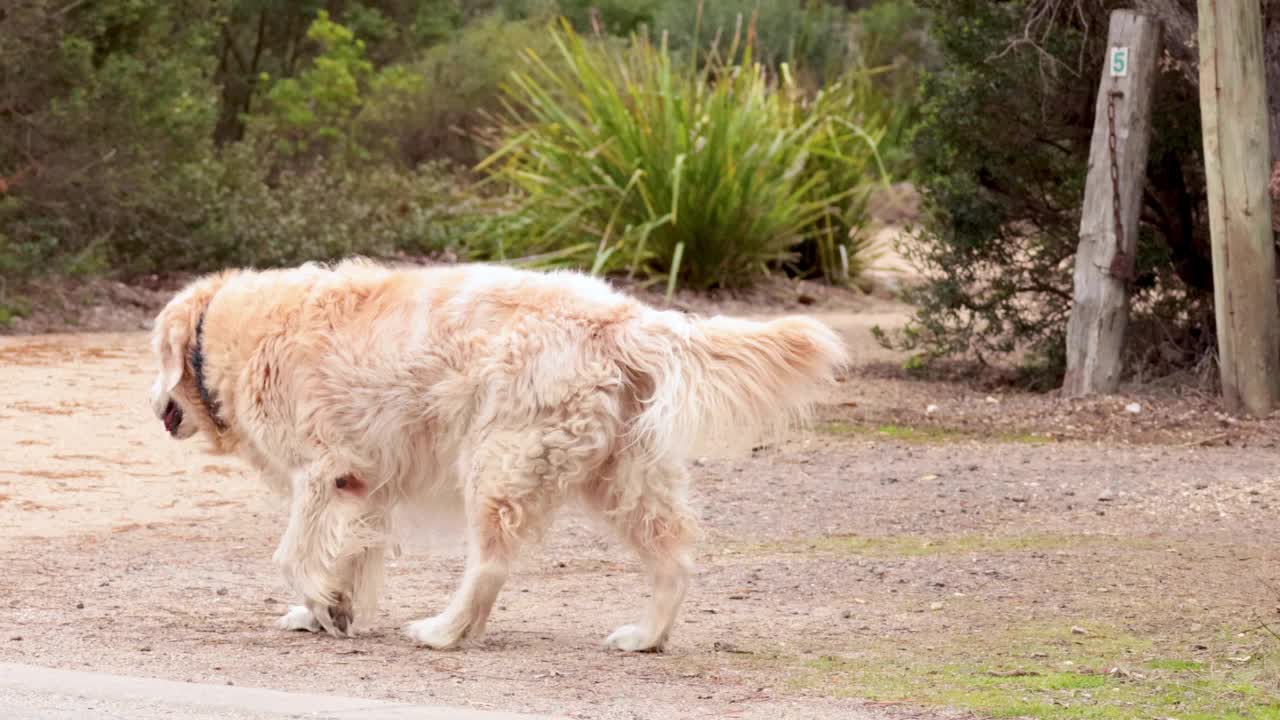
column 170, row 344
column 171, row 337
column 175, row 327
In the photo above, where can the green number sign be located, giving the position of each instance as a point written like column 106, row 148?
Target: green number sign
column 1119, row 61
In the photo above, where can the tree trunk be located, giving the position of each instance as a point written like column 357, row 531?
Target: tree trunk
column 1236, row 124
column 1271, row 63
column 1181, row 48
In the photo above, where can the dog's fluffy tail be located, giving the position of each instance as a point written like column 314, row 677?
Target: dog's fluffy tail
column 720, row 384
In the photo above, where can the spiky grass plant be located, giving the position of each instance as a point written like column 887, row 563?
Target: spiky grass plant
column 622, row 159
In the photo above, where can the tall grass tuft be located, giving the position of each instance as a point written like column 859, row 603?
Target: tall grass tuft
column 621, row 159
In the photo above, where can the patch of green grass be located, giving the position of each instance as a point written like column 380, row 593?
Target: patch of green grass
column 928, row 435
column 918, row 546
column 900, row 433
column 1173, row 665
column 1051, row 673
column 1042, row 671
column 906, row 433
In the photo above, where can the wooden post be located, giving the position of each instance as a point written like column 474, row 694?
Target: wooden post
column 1104, row 258
column 1233, row 109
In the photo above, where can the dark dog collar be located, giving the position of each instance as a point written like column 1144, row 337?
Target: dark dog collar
column 211, row 405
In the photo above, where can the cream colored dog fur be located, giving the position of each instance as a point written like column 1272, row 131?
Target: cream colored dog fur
column 366, row 393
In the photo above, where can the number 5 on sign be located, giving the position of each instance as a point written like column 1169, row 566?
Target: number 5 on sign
column 1119, row 61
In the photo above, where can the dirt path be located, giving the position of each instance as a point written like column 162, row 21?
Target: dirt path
column 868, row 571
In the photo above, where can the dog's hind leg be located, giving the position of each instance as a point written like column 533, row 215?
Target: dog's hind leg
column 510, row 492
column 645, row 503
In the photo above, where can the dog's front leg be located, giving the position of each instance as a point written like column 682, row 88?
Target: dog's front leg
column 331, row 545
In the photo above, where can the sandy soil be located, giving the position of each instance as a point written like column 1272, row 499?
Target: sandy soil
column 837, row 568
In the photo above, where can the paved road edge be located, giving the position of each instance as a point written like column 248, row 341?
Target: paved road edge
column 84, row 684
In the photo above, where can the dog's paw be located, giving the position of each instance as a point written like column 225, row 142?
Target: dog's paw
column 299, row 617
column 633, row 638
column 438, row 633
column 337, row 620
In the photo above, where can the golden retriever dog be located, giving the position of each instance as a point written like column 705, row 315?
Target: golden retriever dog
column 365, row 394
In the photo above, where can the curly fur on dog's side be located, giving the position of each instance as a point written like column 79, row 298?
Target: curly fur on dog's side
column 365, row 392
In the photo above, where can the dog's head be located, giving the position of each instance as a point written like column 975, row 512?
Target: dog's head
column 175, row 399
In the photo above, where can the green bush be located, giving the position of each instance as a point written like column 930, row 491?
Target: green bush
column 328, row 210
column 892, row 43
column 99, row 102
column 127, row 177
column 447, row 97
column 627, row 161
column 254, row 38
column 612, row 17
column 823, row 42
column 314, row 113
column 809, row 34
column 146, row 135
column 606, row 17
column 1002, row 155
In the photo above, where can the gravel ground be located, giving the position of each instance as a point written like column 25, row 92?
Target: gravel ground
column 891, row 537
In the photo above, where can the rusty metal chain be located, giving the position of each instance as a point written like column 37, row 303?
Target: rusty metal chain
column 1121, row 263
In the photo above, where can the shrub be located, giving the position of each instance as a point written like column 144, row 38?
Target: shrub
column 254, row 38
column 324, row 211
column 107, row 160
column 314, row 112
column 143, row 135
column 885, row 41
column 98, row 101
column 445, row 98
column 1002, row 154
column 892, row 44
column 845, row 154
column 612, row 17
column 609, row 17
column 815, row 36
column 627, row 161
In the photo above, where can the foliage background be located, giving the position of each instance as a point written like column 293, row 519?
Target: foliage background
column 1002, row 153
column 140, row 136
column 160, row 135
